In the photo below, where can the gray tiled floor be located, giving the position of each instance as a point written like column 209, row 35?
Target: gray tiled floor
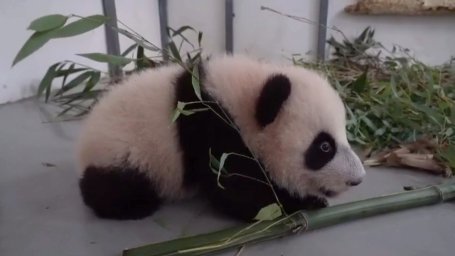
column 41, row 212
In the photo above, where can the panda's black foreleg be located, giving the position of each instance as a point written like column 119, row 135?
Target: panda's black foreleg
column 292, row 204
column 118, row 193
column 242, row 199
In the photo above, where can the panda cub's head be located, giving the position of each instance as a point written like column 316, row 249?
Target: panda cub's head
column 300, row 133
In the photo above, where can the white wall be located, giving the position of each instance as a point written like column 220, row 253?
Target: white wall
column 143, row 17
column 260, row 33
column 431, row 38
column 271, row 36
column 204, row 15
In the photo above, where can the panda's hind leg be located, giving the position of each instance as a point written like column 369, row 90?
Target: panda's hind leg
column 118, row 193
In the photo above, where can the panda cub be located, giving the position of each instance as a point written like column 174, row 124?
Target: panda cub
column 134, row 158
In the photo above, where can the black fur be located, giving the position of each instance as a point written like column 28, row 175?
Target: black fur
column 315, row 158
column 241, row 197
column 276, row 90
column 118, row 193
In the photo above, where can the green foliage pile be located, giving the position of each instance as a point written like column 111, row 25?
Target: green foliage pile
column 394, row 101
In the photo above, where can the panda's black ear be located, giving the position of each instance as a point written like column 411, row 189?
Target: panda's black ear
column 274, row 93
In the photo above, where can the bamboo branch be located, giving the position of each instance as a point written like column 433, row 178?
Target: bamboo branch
column 298, row 222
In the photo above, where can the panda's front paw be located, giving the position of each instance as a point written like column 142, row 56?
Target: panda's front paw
column 312, row 202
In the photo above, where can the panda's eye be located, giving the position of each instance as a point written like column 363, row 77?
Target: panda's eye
column 325, row 147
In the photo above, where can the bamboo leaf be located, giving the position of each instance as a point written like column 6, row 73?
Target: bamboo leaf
column 35, row 42
column 180, row 31
column 360, row 84
column 93, row 81
column 199, row 39
column 80, row 26
column 46, row 82
column 107, row 58
column 175, row 115
column 64, row 111
column 142, row 61
column 195, row 82
column 223, row 158
column 219, row 165
column 178, row 111
column 48, row 22
column 269, row 212
column 130, row 49
column 75, row 82
column 69, row 71
column 174, row 51
column 449, row 155
column 139, row 41
column 38, row 39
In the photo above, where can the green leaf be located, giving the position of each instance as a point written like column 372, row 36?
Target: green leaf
column 214, row 164
column 35, row 42
column 80, row 26
column 75, row 82
column 380, row 131
column 219, row 165
column 449, row 132
column 223, row 158
column 84, row 95
column 142, row 61
column 46, row 82
column 199, row 39
column 180, row 31
column 93, row 81
column 69, row 71
column 195, row 82
column 48, row 22
column 360, row 84
column 177, row 111
column 430, row 113
column 129, row 49
column 107, row 58
column 449, row 155
column 38, row 39
column 175, row 52
column 139, row 41
column 369, row 123
column 270, row 212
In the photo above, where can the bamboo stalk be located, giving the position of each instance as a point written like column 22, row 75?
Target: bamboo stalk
column 298, row 222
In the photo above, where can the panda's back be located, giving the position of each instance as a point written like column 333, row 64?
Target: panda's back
column 131, row 126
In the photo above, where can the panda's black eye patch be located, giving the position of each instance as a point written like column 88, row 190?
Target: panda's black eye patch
column 320, row 152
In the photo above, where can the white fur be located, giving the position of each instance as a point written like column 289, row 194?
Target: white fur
column 133, row 123
column 313, row 106
column 135, row 117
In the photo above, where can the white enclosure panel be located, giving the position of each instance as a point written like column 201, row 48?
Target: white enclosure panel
column 15, row 16
column 271, row 36
column 257, row 32
column 143, row 17
column 203, row 15
column 430, row 38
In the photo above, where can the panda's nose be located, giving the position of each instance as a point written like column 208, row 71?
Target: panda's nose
column 354, row 182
